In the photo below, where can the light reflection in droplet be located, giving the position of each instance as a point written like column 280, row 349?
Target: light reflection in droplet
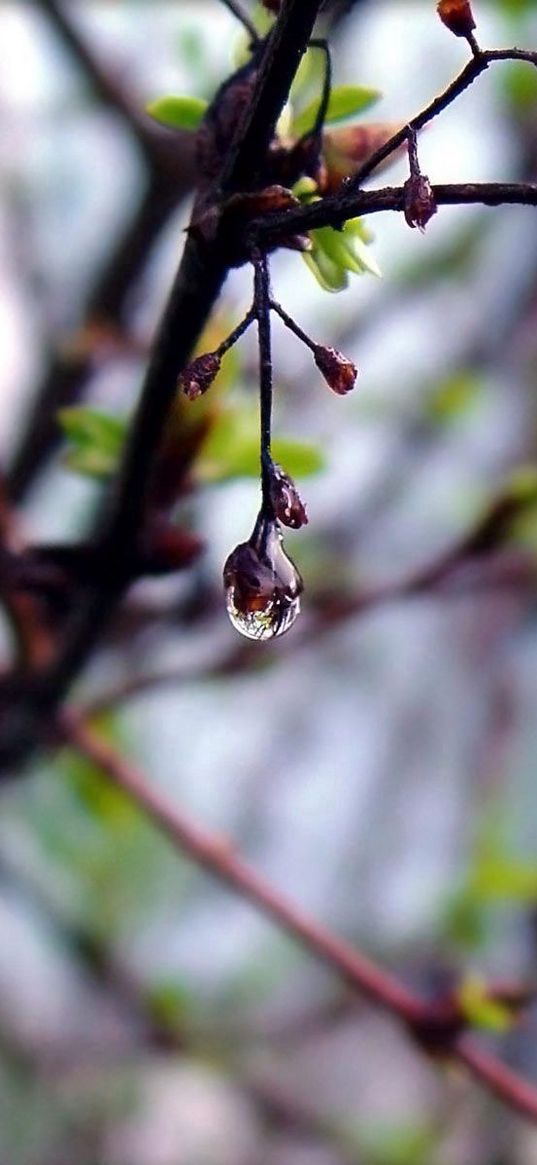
column 262, row 585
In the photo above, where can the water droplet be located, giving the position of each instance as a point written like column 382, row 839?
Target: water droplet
column 262, row 585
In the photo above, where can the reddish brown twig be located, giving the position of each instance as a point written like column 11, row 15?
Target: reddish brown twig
column 216, row 855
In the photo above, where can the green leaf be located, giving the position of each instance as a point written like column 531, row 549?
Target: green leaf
column 504, row 879
column 480, row 1010
column 334, row 253
column 169, row 1003
column 96, row 440
column 346, row 250
column 328, row 274
column 454, row 398
column 231, row 450
column 346, row 101
column 178, row 112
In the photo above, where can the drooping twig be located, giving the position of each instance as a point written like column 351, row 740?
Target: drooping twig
column 262, row 309
column 169, row 162
column 217, row 857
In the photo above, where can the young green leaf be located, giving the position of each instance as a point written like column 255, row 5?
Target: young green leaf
column 346, row 101
column 329, row 275
column 178, row 112
column 479, row 1009
column 231, row 450
column 95, row 438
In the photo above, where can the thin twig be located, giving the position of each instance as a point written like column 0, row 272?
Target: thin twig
column 240, row 14
column 477, row 65
column 217, row 857
column 262, row 310
column 333, row 210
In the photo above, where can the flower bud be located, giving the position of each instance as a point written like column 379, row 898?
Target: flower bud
column 286, row 501
column 457, row 16
column 420, row 202
column 198, row 376
column 339, row 372
column 345, row 149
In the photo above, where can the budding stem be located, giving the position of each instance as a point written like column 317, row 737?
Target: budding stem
column 236, row 333
column 293, row 326
column 262, row 312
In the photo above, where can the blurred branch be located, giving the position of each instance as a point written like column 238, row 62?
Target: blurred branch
column 460, row 571
column 170, row 165
column 428, row 1024
column 32, row 641
column 103, row 83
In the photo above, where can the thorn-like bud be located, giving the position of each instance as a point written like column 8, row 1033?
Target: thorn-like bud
column 457, row 16
column 339, row 372
column 286, row 501
column 198, row 376
column 420, row 202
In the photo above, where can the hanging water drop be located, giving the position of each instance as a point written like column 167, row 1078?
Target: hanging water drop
column 262, row 585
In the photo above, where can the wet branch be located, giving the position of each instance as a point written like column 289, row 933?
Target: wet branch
column 333, row 210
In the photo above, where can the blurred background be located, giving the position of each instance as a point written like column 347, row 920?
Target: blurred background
column 376, row 764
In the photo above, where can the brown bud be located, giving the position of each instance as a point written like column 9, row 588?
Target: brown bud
column 344, row 150
column 259, row 202
column 457, row 16
column 272, row 5
column 339, row 372
column 198, row 376
column 287, row 503
column 420, row 202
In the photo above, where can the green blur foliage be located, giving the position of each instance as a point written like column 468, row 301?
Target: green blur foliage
column 95, row 438
column 231, row 450
column 346, row 101
column 178, row 112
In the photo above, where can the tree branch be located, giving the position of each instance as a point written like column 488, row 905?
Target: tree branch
column 334, row 210
column 216, row 856
column 477, row 65
column 102, row 80
column 202, row 272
